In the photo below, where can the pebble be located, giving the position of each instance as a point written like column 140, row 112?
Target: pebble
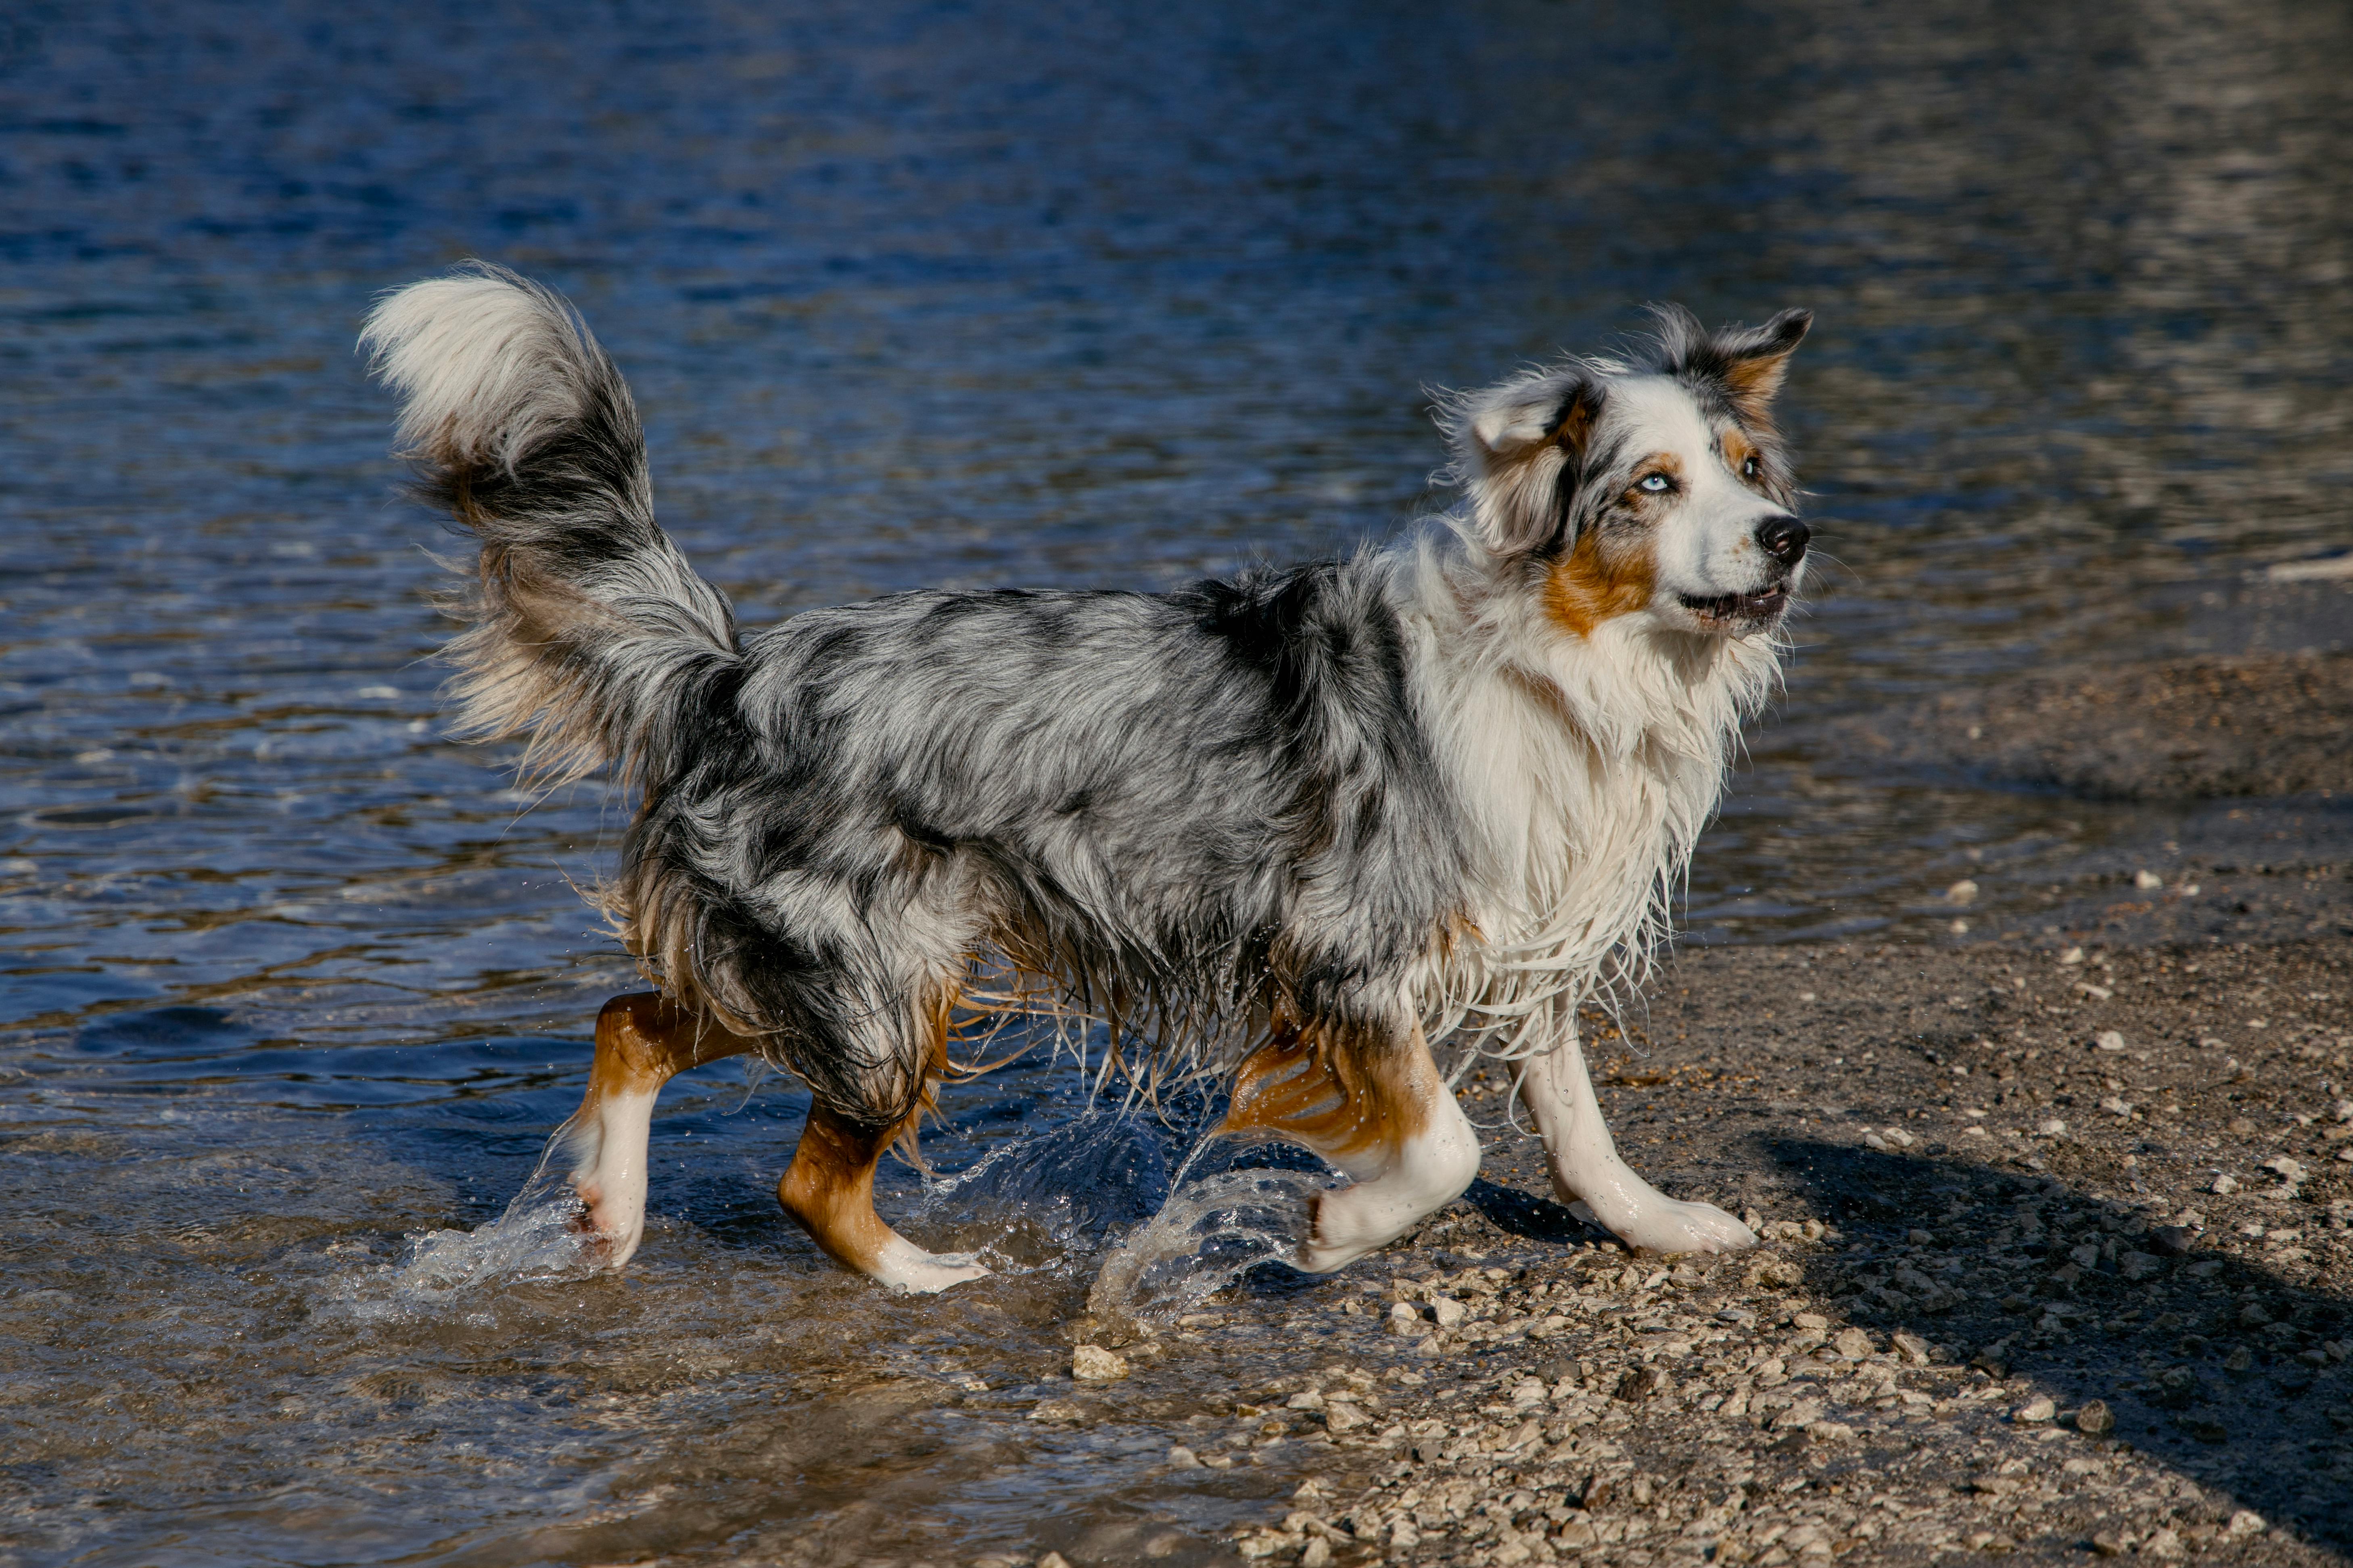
column 2147, row 881
column 1808, row 1320
column 2034, row 1412
column 1180, row 1457
column 2110, row 1040
column 2095, row 1419
column 1092, row 1364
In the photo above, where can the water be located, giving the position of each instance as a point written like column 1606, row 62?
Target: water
column 914, row 293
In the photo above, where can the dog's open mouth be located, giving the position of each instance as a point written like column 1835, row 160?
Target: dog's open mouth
column 1734, row 608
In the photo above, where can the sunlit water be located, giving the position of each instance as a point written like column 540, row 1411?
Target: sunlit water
column 294, row 990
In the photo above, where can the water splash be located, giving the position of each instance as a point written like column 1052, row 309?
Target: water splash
column 1207, row 1235
column 539, row 1238
column 1051, row 1196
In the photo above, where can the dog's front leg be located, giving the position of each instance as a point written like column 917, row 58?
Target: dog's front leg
column 1586, row 1164
column 1376, row 1109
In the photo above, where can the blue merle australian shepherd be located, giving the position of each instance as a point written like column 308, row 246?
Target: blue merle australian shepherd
column 1291, row 828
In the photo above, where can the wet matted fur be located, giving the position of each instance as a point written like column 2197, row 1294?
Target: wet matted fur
column 1445, row 786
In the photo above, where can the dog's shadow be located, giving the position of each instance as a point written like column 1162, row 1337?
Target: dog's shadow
column 2226, row 1369
column 1525, row 1214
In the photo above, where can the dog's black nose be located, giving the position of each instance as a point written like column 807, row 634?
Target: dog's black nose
column 1784, row 539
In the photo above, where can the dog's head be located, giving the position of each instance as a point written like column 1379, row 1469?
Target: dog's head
column 1652, row 486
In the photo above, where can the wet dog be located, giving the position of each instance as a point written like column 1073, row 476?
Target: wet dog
column 1290, row 829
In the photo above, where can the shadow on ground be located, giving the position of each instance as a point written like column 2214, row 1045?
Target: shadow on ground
column 2210, row 1362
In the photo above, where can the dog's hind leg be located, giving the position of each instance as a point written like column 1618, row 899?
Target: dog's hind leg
column 643, row 1040
column 1374, row 1107
column 1586, row 1164
column 830, row 1187
column 829, row 1190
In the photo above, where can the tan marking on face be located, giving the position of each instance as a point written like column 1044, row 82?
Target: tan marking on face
column 1609, row 574
column 1737, row 449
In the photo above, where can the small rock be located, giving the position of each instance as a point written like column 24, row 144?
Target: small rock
column 1404, row 1322
column 1912, row 1347
column 2095, row 1419
column 2109, row 1040
column 2252, row 1316
column 1641, row 1383
column 1317, row 1553
column 1961, row 892
column 2147, row 881
column 2138, row 1265
column 2074, row 955
column 2162, row 1542
column 2287, row 1169
column 2247, row 1522
column 1180, row 1457
column 1808, row 1320
column 2223, row 1186
column 1053, row 1560
column 1803, row 1414
column 1056, row 1410
column 1829, row 1431
column 1092, row 1364
column 2169, row 1241
column 1344, row 1417
column 1449, row 1312
column 1575, row 1535
column 2053, row 1128
column 2034, row 1412
column 2108, row 1543
column 1853, row 1343
column 2116, row 1105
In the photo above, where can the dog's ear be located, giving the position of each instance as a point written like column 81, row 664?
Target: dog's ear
column 1517, row 451
column 1755, row 359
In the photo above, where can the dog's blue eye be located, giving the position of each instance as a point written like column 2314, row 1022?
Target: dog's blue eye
column 1657, row 484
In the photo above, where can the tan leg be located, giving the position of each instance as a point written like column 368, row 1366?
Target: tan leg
column 829, row 1190
column 643, row 1040
column 1377, row 1110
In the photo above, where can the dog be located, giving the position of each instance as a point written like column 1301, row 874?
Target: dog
column 1288, row 828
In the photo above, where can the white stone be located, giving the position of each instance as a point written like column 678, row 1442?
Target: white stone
column 2147, row 881
column 1961, row 892
column 2110, row 1040
column 1092, row 1364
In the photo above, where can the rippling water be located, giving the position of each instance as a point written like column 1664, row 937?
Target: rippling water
column 918, row 293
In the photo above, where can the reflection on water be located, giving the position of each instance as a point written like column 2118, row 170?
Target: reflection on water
column 295, row 990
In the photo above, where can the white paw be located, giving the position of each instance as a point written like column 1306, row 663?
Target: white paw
column 905, row 1267
column 610, row 1227
column 1669, row 1226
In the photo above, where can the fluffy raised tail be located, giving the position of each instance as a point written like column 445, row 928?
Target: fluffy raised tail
column 587, row 629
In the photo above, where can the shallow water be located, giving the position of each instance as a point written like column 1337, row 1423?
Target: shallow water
column 293, row 989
